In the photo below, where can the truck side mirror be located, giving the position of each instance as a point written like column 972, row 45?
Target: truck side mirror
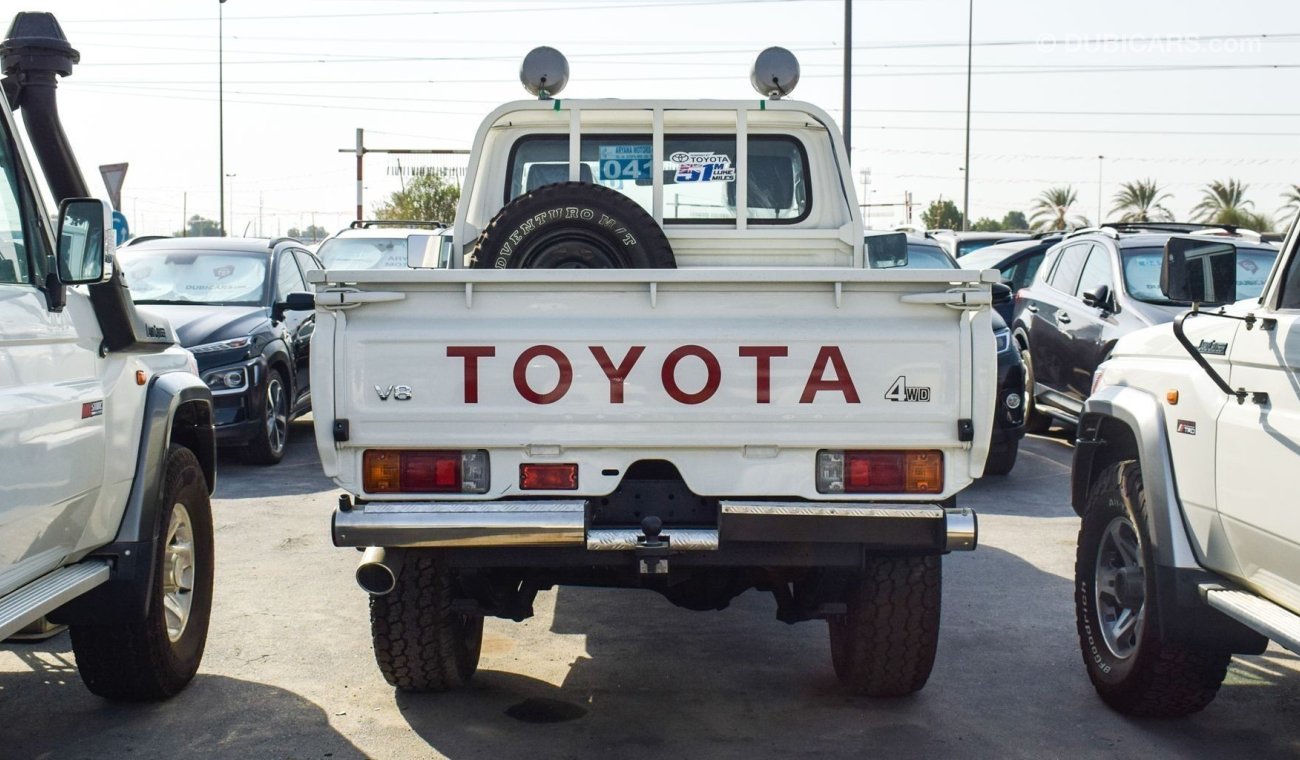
column 1199, row 271
column 888, row 251
column 84, row 244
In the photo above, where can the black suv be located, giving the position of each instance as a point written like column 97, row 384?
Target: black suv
column 924, row 252
column 1095, row 286
column 228, row 301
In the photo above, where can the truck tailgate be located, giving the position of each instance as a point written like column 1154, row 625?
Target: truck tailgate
column 737, row 377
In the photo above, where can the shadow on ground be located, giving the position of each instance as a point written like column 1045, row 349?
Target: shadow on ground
column 297, row 474
column 49, row 713
column 663, row 682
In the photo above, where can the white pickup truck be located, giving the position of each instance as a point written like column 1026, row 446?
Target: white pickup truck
column 720, row 401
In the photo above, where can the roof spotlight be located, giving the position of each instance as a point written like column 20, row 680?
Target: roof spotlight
column 775, row 73
column 544, row 72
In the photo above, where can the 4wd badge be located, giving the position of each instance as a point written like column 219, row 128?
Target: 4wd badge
column 901, row 391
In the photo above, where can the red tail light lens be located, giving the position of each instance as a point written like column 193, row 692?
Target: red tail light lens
column 385, row 471
column 919, row 472
column 548, row 477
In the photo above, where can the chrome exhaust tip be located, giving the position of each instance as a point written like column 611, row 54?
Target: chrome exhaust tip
column 377, row 573
column 962, row 528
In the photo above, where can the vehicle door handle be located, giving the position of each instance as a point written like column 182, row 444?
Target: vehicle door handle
column 1063, row 318
column 1031, row 308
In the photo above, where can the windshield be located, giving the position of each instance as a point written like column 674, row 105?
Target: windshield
column 1142, row 272
column 928, row 257
column 965, row 247
column 229, row 278
column 363, row 253
column 991, row 256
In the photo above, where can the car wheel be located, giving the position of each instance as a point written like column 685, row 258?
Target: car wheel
column 422, row 643
column 268, row 445
column 1132, row 669
column 885, row 645
column 1002, row 457
column 1035, row 421
column 156, row 656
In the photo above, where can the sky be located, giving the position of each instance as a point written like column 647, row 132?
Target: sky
column 1180, row 91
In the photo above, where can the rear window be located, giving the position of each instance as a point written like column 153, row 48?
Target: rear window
column 1142, row 272
column 699, row 173
column 363, row 253
column 928, row 257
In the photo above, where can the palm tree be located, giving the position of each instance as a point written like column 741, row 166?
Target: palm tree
column 1139, row 201
column 1223, row 203
column 1051, row 209
column 1292, row 198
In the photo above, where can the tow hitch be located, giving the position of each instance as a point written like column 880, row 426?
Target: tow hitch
column 652, row 549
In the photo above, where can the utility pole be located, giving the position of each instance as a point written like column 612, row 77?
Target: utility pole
column 848, row 79
column 185, row 214
column 361, row 150
column 221, row 117
column 1100, row 164
column 970, row 46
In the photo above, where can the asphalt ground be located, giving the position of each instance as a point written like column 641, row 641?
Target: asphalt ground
column 289, row 672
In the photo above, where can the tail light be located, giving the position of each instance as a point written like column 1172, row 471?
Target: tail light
column 548, row 477
column 919, row 472
column 393, row 471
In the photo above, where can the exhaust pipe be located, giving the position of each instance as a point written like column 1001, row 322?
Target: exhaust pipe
column 379, row 568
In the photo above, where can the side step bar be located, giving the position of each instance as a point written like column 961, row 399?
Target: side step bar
column 48, row 593
column 1275, row 622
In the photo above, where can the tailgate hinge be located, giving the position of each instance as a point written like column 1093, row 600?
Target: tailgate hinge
column 348, row 298
column 956, row 298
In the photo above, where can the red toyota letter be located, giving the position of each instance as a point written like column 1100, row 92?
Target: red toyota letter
column 521, row 374
column 471, row 355
column 763, row 365
column 616, row 374
column 711, row 383
column 817, row 378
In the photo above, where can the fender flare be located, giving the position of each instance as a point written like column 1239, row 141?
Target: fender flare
column 1183, row 617
column 177, row 409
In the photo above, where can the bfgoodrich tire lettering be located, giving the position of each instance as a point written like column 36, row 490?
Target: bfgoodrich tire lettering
column 572, row 225
column 1135, row 673
column 138, row 660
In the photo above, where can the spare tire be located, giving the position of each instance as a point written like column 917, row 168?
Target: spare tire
column 572, row 225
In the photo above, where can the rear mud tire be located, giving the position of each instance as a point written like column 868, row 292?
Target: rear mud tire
column 1136, row 673
column 572, row 225
column 138, row 660
column 1002, row 457
column 421, row 643
column 885, row 645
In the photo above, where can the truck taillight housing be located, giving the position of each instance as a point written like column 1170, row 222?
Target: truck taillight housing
column 918, row 472
column 406, row 471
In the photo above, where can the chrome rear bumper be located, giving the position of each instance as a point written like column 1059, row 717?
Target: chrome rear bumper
column 562, row 523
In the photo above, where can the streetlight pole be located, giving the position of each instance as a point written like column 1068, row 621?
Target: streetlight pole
column 970, row 46
column 1100, row 164
column 232, row 204
column 221, row 117
column 848, row 78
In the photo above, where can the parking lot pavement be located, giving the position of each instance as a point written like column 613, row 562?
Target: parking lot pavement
column 289, row 672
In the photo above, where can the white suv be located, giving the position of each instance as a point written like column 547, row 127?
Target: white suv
column 1189, row 549
column 105, row 427
column 377, row 244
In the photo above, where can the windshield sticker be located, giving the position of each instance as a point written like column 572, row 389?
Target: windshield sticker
column 703, row 167
column 619, row 162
